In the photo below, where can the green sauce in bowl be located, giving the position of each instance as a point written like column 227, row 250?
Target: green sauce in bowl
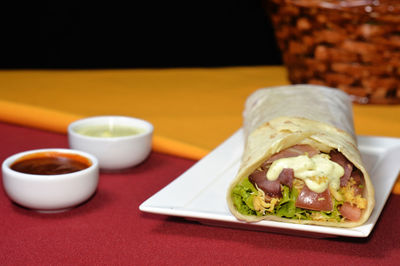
column 108, row 131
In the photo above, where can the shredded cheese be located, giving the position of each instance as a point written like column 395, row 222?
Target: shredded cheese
column 335, row 194
column 350, row 195
column 261, row 205
column 298, row 184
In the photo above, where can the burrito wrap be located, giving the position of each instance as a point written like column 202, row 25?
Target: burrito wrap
column 280, row 117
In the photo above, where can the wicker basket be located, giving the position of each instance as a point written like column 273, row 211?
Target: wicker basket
column 351, row 45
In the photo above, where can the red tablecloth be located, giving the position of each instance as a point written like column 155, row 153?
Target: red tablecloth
column 109, row 229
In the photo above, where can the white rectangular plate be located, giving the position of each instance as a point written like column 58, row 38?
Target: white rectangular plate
column 200, row 193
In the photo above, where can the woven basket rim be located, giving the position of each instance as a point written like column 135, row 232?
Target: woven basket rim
column 390, row 5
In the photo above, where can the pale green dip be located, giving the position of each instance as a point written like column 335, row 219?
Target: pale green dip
column 108, row 131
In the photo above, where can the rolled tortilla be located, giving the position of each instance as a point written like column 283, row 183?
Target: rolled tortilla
column 280, row 117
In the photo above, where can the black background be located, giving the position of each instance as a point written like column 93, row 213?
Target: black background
column 136, row 34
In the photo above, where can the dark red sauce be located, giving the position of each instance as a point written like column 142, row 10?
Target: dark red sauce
column 50, row 163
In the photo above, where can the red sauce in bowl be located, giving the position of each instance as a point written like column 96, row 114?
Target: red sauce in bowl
column 50, row 163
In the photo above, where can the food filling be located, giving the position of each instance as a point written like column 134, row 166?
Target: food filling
column 302, row 182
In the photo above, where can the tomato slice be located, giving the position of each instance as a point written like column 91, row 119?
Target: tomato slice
column 311, row 200
column 350, row 212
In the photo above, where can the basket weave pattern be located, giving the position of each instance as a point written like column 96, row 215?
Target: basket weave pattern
column 350, row 45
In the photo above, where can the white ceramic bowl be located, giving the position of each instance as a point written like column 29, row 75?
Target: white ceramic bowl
column 113, row 153
column 52, row 192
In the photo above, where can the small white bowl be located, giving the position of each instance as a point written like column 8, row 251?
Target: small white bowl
column 50, row 192
column 116, row 152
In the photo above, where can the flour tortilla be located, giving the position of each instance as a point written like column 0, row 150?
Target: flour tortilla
column 279, row 117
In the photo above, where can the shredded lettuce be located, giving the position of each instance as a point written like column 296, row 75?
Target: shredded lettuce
column 244, row 192
column 286, row 207
column 242, row 195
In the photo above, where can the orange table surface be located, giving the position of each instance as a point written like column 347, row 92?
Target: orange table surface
column 192, row 109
